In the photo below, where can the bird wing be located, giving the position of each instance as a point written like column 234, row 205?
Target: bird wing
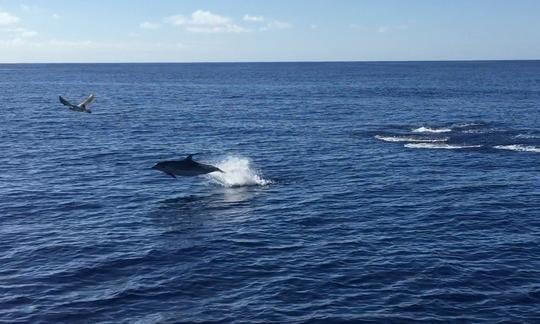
column 87, row 101
column 64, row 101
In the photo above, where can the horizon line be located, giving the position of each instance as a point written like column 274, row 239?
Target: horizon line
column 285, row 61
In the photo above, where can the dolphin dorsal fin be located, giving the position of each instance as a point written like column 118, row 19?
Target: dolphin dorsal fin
column 190, row 157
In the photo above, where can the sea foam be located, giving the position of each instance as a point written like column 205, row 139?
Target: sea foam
column 527, row 136
column 237, row 173
column 440, row 146
column 431, row 130
column 518, row 148
column 409, row 139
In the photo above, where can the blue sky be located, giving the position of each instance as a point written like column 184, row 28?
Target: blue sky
column 293, row 30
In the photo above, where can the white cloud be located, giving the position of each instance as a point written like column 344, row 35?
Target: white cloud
column 18, row 32
column 253, row 18
column 206, row 22
column 148, row 25
column 276, row 24
column 29, row 33
column 71, row 44
column 7, row 19
column 13, row 42
column 18, row 42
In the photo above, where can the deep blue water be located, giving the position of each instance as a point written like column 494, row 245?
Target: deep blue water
column 355, row 191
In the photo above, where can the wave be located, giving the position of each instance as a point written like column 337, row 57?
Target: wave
column 519, row 148
column 237, row 173
column 527, row 136
column 431, row 130
column 477, row 131
column 410, row 139
column 464, row 125
column 440, row 146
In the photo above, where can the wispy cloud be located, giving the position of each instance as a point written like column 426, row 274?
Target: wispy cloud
column 279, row 24
column 10, row 27
column 20, row 32
column 149, row 25
column 276, row 24
column 7, row 19
column 25, row 7
column 72, row 44
column 19, row 42
column 202, row 21
column 253, row 18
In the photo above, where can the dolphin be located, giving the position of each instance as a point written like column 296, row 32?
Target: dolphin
column 82, row 107
column 186, row 167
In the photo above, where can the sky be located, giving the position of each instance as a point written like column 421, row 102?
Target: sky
column 276, row 30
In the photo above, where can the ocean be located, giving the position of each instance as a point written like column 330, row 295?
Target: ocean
column 382, row 192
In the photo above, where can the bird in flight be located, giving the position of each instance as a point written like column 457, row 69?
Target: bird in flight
column 82, row 107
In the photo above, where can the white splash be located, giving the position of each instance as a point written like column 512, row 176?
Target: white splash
column 431, row 130
column 237, row 173
column 440, row 146
column 518, row 148
column 410, row 139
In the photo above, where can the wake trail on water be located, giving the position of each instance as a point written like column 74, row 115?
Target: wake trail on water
column 519, row 148
column 460, row 136
column 409, row 139
column 440, row 146
column 237, row 172
column 431, row 130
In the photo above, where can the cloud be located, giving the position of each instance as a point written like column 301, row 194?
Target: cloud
column 18, row 32
column 202, row 21
column 18, row 42
column 276, row 24
column 71, row 44
column 28, row 33
column 148, row 25
column 14, row 35
column 7, row 19
column 253, row 18
column 25, row 7
column 55, row 16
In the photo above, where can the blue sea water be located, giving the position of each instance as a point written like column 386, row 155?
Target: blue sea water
column 384, row 192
